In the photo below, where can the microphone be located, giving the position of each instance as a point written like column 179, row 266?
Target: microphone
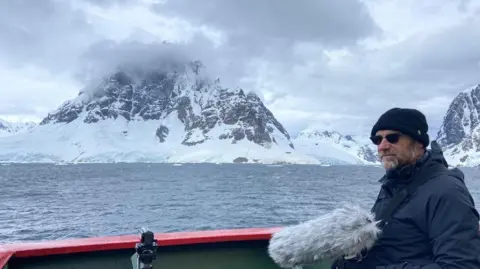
column 345, row 231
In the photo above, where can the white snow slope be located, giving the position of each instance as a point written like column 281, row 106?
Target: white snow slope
column 119, row 140
column 122, row 141
column 334, row 148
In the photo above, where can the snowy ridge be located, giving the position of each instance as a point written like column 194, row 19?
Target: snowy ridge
column 11, row 128
column 335, row 148
column 459, row 134
column 116, row 141
column 157, row 115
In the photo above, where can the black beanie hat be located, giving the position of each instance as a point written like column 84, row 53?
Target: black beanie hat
column 406, row 120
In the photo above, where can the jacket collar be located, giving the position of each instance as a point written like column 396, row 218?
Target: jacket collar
column 393, row 179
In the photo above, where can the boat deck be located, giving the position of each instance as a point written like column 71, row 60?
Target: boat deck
column 234, row 249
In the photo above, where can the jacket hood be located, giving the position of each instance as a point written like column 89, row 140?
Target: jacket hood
column 436, row 156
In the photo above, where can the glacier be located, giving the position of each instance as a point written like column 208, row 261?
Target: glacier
column 120, row 140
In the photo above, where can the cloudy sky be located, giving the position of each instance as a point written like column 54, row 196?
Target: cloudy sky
column 330, row 64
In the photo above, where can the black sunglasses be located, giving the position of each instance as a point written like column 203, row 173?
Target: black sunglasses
column 391, row 138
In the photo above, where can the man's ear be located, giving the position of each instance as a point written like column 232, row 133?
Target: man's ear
column 419, row 147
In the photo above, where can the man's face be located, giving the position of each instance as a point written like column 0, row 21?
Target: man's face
column 400, row 151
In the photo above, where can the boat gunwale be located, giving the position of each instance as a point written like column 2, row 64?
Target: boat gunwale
column 105, row 243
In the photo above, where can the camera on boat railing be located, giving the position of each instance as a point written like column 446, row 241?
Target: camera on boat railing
column 146, row 249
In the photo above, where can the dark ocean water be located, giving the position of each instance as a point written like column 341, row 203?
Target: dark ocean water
column 44, row 202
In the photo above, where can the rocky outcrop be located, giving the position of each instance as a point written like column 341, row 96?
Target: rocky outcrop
column 459, row 134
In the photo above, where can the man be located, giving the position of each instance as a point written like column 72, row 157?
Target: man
column 435, row 227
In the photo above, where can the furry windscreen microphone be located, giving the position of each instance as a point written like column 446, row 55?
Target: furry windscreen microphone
column 342, row 232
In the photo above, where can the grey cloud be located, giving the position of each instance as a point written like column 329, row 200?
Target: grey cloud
column 410, row 74
column 330, row 22
column 104, row 57
column 289, row 35
column 48, row 33
column 273, row 32
column 259, row 29
column 108, row 3
column 463, row 5
column 422, row 67
column 452, row 54
column 14, row 109
column 52, row 34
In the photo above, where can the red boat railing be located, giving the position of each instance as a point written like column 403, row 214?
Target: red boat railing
column 44, row 248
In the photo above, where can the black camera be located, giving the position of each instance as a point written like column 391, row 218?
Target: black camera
column 146, row 250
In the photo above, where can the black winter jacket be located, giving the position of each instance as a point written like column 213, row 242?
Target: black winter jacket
column 437, row 227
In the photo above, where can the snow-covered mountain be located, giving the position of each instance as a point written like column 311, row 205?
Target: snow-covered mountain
column 174, row 114
column 335, row 148
column 459, row 134
column 11, row 128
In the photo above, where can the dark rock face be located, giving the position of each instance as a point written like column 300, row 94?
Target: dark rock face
column 368, row 154
column 200, row 104
column 4, row 127
column 240, row 160
column 459, row 128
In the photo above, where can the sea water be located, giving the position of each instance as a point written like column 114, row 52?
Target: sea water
column 46, row 201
